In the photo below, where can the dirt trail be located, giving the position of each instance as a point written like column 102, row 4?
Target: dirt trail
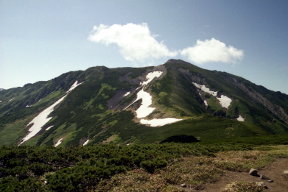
column 274, row 171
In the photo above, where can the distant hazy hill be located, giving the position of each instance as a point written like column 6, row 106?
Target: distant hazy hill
column 128, row 105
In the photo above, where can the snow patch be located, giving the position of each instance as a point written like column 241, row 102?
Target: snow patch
column 49, row 127
column 11, row 100
column 58, row 142
column 76, row 84
column 86, row 142
column 224, row 101
column 143, row 94
column 240, row 118
column 150, row 76
column 40, row 120
column 205, row 89
column 27, row 106
column 144, row 110
column 159, row 122
column 43, row 117
column 126, row 94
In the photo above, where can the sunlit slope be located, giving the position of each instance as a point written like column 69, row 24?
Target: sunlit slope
column 130, row 105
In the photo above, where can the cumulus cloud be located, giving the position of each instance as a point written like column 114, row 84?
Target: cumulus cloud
column 135, row 41
column 212, row 50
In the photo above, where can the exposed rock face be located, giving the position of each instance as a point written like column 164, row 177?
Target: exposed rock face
column 194, row 77
column 249, row 91
column 254, row 172
column 257, row 97
column 115, row 101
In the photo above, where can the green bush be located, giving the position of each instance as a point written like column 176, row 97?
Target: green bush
column 82, row 168
column 152, row 165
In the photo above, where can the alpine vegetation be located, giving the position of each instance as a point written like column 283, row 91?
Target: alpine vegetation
column 139, row 105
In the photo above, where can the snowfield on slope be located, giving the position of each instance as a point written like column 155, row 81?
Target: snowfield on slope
column 76, row 84
column 223, row 100
column 58, row 142
column 143, row 94
column 150, row 76
column 43, row 117
column 49, row 128
column 159, row 122
column 144, row 110
column 240, row 118
column 205, row 89
column 86, row 142
column 126, row 94
column 40, row 120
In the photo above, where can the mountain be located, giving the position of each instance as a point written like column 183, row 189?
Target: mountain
column 139, row 105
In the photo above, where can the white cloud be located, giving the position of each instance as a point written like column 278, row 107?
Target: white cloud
column 135, row 41
column 212, row 50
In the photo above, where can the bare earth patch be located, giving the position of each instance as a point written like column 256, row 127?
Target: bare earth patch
column 273, row 171
column 227, row 172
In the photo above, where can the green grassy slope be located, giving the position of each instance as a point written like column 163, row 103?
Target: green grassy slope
column 95, row 109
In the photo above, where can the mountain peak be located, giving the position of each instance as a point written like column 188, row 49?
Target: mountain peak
column 180, row 63
column 177, row 97
column 177, row 61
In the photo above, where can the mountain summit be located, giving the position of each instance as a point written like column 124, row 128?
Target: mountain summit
column 139, row 105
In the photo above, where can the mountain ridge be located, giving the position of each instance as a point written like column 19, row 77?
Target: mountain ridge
column 105, row 107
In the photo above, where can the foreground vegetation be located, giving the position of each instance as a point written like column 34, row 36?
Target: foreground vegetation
column 122, row 168
column 195, row 172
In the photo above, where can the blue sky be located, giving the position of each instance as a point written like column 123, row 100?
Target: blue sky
column 40, row 40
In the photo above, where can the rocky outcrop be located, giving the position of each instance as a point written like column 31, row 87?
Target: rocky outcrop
column 257, row 97
column 254, row 172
